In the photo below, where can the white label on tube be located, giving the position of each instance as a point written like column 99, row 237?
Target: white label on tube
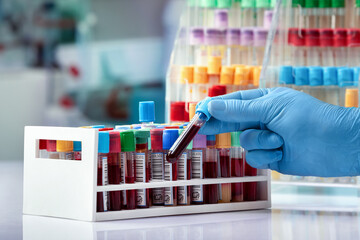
column 122, row 163
column 169, row 193
column 182, row 175
column 157, row 174
column 140, row 162
column 197, row 173
column 105, row 180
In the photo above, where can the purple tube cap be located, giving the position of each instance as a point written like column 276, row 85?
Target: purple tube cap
column 260, row 36
column 196, row 36
column 268, row 15
column 221, row 18
column 199, row 141
column 233, row 36
column 247, row 36
column 213, row 36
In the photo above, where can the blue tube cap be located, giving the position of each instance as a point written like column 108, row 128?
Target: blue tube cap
column 103, row 142
column 122, row 127
column 301, row 76
column 345, row 77
column 97, row 126
column 147, row 111
column 202, row 107
column 356, row 75
column 169, row 137
column 77, row 146
column 286, row 75
column 210, row 137
column 316, row 76
column 330, row 76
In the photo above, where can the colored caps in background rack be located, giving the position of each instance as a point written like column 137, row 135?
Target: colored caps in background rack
column 122, row 127
column 64, row 146
column 142, row 136
column 214, row 65
column 208, row 3
column 169, row 138
column 340, row 37
column 199, row 141
column 203, row 108
column 51, row 145
column 260, row 36
column 286, row 75
column 177, row 111
column 311, row 3
column 97, row 126
column 217, row 90
column 357, row 3
column 42, row 144
column 312, row 37
column 247, row 36
column 235, row 139
column 201, row 74
column 213, row 36
column 326, row 37
column 301, row 76
column 103, row 142
column 243, row 75
column 196, row 36
column 337, row 3
column 156, row 139
column 233, row 36
column 256, row 75
column 192, row 110
column 77, row 146
column 186, row 75
column 324, row 3
column 356, row 75
column 227, row 75
column 352, row 97
column 268, row 15
column 115, row 143
column 262, row 3
column 296, row 37
column 224, row 3
column 221, row 18
column 297, row 3
column 127, row 141
column 330, row 76
column 248, row 3
column 210, row 140
column 147, row 111
column 223, row 140
column 105, row 129
column 345, row 77
column 316, row 76
column 353, row 38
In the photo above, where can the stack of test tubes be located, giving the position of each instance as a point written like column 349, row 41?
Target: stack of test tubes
column 316, row 49
column 129, row 154
column 219, row 48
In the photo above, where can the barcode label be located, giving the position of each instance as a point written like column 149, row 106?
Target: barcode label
column 158, row 196
column 168, row 171
column 157, row 167
column 197, row 173
column 122, row 164
column 169, row 196
column 140, row 161
column 182, row 167
column 105, row 180
column 69, row 156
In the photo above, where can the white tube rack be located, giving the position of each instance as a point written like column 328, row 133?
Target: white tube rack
column 67, row 189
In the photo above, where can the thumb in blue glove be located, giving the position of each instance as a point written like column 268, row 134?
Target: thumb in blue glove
column 290, row 131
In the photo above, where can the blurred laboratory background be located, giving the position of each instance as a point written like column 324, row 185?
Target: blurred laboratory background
column 81, row 62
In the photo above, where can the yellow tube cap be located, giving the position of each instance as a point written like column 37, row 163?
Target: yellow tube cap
column 192, row 109
column 227, row 75
column 186, row 74
column 64, row 146
column 223, row 140
column 243, row 76
column 200, row 75
column 256, row 75
column 351, row 97
column 214, row 65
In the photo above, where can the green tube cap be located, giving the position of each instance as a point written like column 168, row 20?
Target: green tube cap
column 296, row 3
column 224, row 3
column 127, row 141
column 357, row 3
column 142, row 136
column 248, row 3
column 324, row 3
column 263, row 3
column 235, row 139
column 311, row 3
column 338, row 3
column 208, row 3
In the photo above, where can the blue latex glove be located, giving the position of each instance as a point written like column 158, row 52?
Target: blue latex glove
column 290, row 131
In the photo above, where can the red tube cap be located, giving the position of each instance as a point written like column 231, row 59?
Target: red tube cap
column 51, row 145
column 115, row 142
column 42, row 144
column 296, row 37
column 156, row 136
column 353, row 38
column 217, row 90
column 312, row 37
column 177, row 112
column 340, row 37
column 105, row 129
column 326, row 37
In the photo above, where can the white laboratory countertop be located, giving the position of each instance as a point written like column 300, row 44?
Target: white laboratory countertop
column 307, row 221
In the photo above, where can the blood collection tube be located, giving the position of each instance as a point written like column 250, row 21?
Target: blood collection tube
column 146, row 113
column 210, row 169
column 268, row 15
column 296, row 39
column 312, row 43
column 223, row 145
column 256, row 76
column 208, row 12
column 324, row 14
column 260, row 36
column 187, row 80
column 296, row 17
column 237, row 167
column 202, row 115
column 261, row 7
column 77, row 150
column 102, row 204
column 233, row 50
column 43, row 153
column 247, row 39
column 198, row 157
column 51, row 149
column 184, row 173
column 215, row 54
column 65, row 149
column 340, row 47
column 243, row 77
column 326, row 43
column 227, row 78
column 114, row 169
column 248, row 13
column 311, row 14
column 353, row 48
column 169, row 137
column 249, row 187
column 200, row 86
column 196, row 42
column 338, row 16
column 142, row 165
column 157, row 165
column 128, row 167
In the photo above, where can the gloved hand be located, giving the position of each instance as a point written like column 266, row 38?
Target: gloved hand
column 290, row 131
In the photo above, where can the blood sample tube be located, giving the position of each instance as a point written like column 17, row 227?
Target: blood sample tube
column 296, row 17
column 202, row 115
column 324, row 14
column 196, row 42
column 184, row 173
column 311, row 14
column 208, row 12
column 223, row 145
column 247, row 39
column 340, row 47
column 338, row 16
column 198, row 156
column 169, row 138
column 65, row 149
column 312, row 43
column 237, row 167
column 102, row 204
column 128, row 167
column 227, row 78
column 51, row 149
column 210, row 169
column 187, row 80
column 297, row 41
column 157, row 165
column 243, row 78
column 233, row 43
column 200, row 86
column 326, row 43
column 178, row 112
column 77, row 150
column 353, row 48
column 43, row 153
column 248, row 14
column 261, row 7
column 249, row 187
column 215, row 54
column 114, row 170
column 260, row 36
